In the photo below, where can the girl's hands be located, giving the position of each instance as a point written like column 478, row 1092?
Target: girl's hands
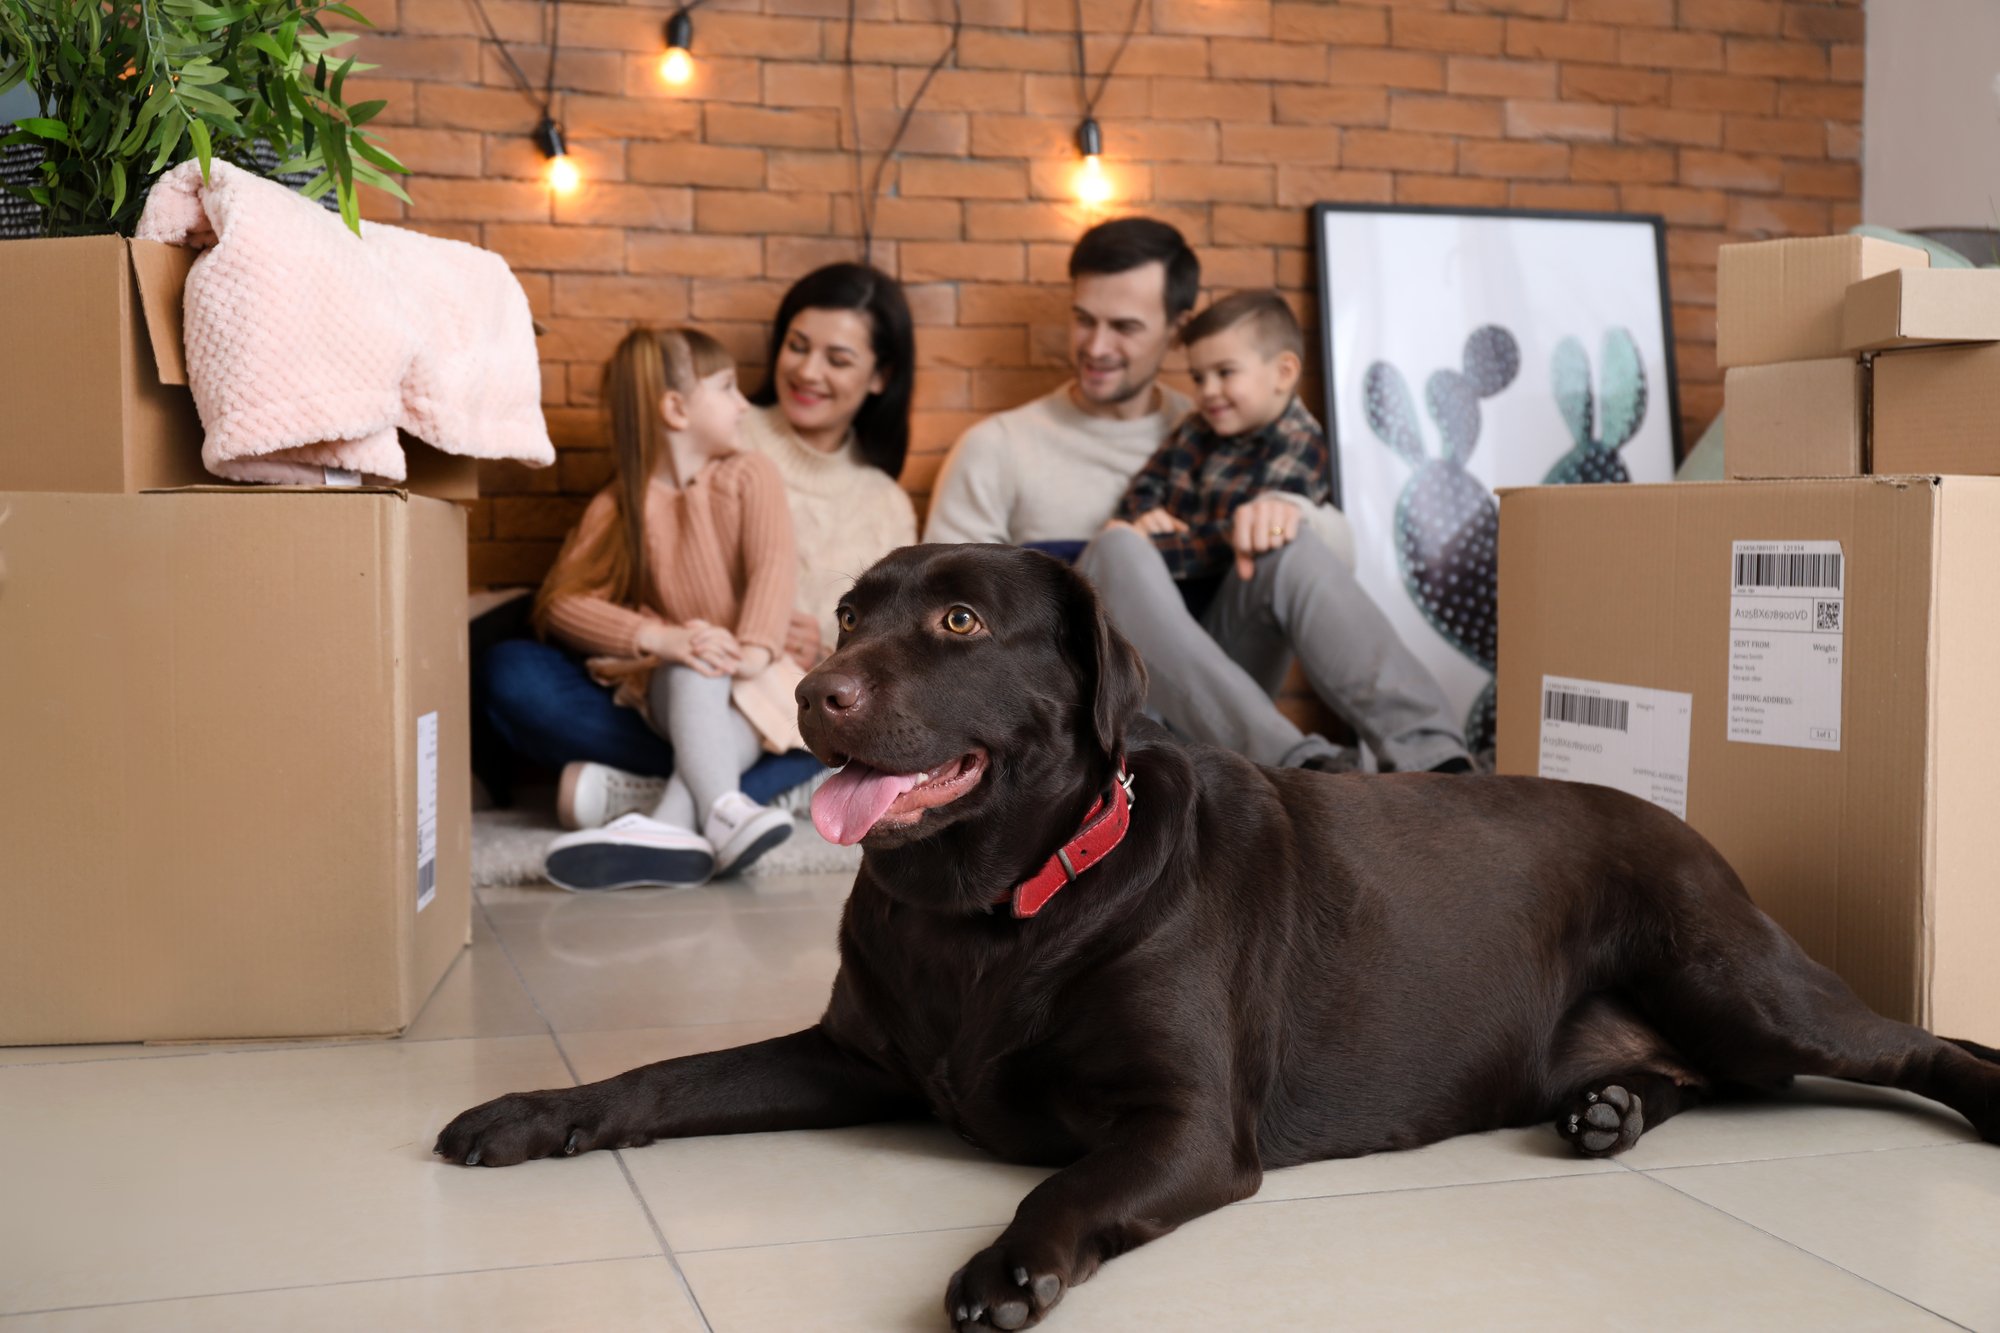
column 708, row 649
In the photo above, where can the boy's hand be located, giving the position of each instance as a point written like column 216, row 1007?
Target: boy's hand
column 1158, row 522
column 1258, row 527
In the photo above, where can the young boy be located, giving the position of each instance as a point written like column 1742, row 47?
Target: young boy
column 1208, row 571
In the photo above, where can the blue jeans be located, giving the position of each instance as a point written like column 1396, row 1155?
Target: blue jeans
column 543, row 703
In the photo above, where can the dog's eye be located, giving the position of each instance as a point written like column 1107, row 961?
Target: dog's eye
column 961, row 620
column 846, row 619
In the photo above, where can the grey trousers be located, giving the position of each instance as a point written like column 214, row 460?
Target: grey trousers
column 1213, row 680
column 713, row 743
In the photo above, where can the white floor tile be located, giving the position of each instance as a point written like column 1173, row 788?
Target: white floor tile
column 1815, row 1116
column 608, row 1296
column 1600, row 1251
column 1922, row 1222
column 144, row 1179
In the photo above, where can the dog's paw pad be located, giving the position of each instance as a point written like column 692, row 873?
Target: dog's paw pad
column 995, row 1291
column 1604, row 1121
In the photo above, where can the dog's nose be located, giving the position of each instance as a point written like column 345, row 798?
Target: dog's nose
column 835, row 691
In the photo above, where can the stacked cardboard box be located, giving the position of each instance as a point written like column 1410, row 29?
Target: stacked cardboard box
column 1846, row 355
column 1800, row 666
column 235, row 801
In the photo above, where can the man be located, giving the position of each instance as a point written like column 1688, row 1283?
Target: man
column 1052, row 472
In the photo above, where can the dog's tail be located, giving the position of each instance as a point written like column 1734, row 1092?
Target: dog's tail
column 1986, row 1053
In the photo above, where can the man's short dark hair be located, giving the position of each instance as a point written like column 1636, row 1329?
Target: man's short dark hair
column 1271, row 321
column 1124, row 244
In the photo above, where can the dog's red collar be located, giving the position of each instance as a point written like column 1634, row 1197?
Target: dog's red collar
column 1103, row 828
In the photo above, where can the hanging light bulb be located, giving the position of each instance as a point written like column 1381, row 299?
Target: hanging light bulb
column 677, row 66
column 1093, row 184
column 563, row 174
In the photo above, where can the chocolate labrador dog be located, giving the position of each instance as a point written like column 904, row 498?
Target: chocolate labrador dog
column 1082, row 943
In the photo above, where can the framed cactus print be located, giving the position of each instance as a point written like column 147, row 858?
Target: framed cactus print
column 1468, row 350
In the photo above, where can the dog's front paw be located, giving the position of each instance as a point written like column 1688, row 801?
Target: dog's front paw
column 1604, row 1121
column 520, row 1127
column 998, row 1289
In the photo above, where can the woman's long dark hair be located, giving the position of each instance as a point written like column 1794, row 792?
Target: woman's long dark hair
column 882, row 426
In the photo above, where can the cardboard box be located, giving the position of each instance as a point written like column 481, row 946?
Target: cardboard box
column 91, row 369
column 1915, row 307
column 1840, row 754
column 1797, row 419
column 94, row 380
column 235, row 801
column 1786, row 300
column 1937, row 409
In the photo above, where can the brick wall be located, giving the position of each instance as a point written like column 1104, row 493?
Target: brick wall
column 1735, row 119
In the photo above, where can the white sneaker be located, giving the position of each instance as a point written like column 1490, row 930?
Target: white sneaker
column 592, row 795
column 630, row 852
column 741, row 830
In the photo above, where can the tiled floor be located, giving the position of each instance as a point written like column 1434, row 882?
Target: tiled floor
column 293, row 1188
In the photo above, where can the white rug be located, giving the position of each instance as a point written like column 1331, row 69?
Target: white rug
column 507, row 845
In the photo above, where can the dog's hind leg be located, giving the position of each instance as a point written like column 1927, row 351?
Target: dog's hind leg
column 1742, row 1001
column 1613, row 1077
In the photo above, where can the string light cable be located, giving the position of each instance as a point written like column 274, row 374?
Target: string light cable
column 1092, row 185
column 548, row 132
column 865, row 197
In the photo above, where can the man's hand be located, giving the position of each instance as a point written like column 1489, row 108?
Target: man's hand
column 802, row 641
column 1259, row 527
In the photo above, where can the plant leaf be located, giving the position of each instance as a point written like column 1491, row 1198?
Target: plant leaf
column 41, row 127
column 198, row 132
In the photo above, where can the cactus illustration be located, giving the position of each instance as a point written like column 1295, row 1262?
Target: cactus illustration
column 1622, row 401
column 1447, row 522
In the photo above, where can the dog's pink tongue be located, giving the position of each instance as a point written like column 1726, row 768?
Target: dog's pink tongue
column 847, row 804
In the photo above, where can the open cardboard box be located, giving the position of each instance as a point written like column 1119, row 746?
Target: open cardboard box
column 235, row 801
column 95, row 383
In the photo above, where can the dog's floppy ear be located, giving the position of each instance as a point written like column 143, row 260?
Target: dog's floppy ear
column 1114, row 677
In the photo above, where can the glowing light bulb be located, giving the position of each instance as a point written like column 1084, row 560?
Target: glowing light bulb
column 676, row 66
column 1093, row 185
column 563, row 175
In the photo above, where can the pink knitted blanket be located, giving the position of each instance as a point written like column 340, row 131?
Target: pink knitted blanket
column 308, row 346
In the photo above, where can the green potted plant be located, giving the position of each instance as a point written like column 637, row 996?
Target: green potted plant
column 129, row 88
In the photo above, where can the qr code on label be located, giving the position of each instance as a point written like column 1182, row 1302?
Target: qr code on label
column 1826, row 616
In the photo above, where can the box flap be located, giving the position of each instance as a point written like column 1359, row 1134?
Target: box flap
column 162, row 272
column 1920, row 306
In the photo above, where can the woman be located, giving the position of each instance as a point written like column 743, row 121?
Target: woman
column 835, row 418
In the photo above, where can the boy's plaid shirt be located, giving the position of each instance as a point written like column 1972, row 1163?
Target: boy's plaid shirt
column 1201, row 478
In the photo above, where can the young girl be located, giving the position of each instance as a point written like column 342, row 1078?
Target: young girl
column 678, row 583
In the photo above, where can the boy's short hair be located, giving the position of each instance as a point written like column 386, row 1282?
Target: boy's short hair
column 1272, row 322
column 1123, row 244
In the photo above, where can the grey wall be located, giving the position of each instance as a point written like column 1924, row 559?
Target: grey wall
column 1931, row 128
column 16, row 103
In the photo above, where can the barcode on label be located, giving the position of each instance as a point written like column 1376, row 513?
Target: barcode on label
column 427, row 879
column 1586, row 710
column 1788, row 570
